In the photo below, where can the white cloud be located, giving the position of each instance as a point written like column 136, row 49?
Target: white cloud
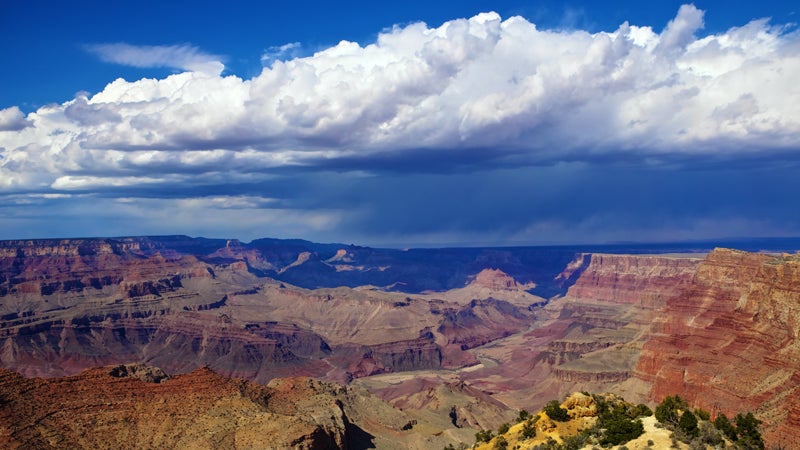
column 280, row 52
column 475, row 89
column 680, row 31
column 185, row 57
column 71, row 182
column 12, row 119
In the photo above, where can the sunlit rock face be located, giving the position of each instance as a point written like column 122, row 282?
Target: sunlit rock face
column 643, row 281
column 729, row 341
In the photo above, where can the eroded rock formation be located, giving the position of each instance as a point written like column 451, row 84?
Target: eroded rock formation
column 67, row 305
column 729, row 342
column 588, row 339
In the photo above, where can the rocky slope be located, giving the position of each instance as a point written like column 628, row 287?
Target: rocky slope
column 495, row 284
column 136, row 406
column 609, row 310
column 96, row 409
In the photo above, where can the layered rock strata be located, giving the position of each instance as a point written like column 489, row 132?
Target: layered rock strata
column 729, row 342
column 589, row 339
column 155, row 303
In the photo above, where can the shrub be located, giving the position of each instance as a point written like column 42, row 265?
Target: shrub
column 500, row 443
column 681, row 436
column 550, row 444
column 726, row 427
column 484, row 436
column 747, row 429
column 523, row 415
column 503, row 429
column 697, row 445
column 575, row 442
column 620, row 429
column 460, row 446
column 601, row 403
column 702, row 414
column 667, row 410
column 528, row 429
column 688, row 424
column 554, row 411
column 709, row 434
column 641, row 410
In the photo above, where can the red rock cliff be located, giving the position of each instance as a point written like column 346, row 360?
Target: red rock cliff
column 729, row 342
column 641, row 280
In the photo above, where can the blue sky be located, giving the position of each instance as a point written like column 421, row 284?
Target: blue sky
column 418, row 123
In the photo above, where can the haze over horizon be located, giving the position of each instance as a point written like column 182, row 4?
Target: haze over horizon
column 418, row 124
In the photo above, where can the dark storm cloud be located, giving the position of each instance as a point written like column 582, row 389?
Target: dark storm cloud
column 575, row 204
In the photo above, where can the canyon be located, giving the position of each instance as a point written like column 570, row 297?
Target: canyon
column 442, row 342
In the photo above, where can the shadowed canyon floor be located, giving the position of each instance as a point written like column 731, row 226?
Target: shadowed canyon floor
column 445, row 342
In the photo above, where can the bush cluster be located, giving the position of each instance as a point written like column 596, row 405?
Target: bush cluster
column 696, row 429
column 616, row 424
column 460, row 446
column 555, row 412
column 500, row 443
column 484, row 436
column 503, row 429
column 528, row 429
column 668, row 411
column 620, row 421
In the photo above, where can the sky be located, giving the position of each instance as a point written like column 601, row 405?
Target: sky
column 401, row 124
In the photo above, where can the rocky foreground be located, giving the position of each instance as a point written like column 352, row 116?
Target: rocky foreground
column 458, row 339
column 139, row 407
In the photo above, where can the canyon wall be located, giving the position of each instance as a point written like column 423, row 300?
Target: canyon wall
column 608, row 311
column 729, row 342
column 640, row 280
column 591, row 337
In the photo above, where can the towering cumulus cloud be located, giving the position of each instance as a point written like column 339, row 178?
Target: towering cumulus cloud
column 480, row 92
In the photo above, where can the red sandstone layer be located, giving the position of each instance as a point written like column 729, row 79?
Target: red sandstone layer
column 729, row 342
